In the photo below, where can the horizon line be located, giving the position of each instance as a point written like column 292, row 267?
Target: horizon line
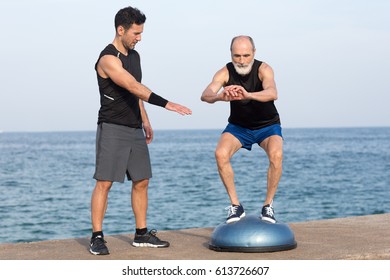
column 192, row 129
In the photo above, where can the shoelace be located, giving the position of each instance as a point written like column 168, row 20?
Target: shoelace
column 231, row 210
column 269, row 211
column 153, row 232
column 99, row 238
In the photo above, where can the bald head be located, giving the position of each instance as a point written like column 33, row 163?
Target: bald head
column 242, row 40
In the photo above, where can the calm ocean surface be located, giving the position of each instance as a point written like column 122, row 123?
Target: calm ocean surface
column 46, row 181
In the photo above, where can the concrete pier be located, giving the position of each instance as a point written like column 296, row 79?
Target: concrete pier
column 351, row 238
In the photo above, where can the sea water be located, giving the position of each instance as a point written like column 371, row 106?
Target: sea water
column 46, row 181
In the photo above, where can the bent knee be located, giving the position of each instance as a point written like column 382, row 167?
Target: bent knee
column 276, row 157
column 221, row 155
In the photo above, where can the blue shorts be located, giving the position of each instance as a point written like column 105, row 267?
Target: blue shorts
column 248, row 137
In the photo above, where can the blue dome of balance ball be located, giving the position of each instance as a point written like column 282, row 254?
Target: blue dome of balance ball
column 251, row 234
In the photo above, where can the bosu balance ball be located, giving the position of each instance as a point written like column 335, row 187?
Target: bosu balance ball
column 251, row 234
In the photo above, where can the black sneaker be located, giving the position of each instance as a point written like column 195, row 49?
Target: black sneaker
column 235, row 213
column 149, row 240
column 267, row 213
column 98, row 246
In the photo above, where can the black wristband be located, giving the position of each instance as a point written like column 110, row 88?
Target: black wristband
column 157, row 100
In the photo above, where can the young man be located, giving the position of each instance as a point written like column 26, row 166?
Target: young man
column 121, row 145
column 249, row 86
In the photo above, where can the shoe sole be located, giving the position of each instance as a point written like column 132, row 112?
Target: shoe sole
column 232, row 220
column 268, row 220
column 98, row 253
column 135, row 244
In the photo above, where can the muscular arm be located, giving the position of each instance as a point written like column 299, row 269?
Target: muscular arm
column 269, row 92
column 110, row 66
column 212, row 92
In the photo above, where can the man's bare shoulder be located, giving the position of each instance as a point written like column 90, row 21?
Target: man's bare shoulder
column 107, row 63
column 108, row 59
column 265, row 67
column 265, row 70
column 222, row 75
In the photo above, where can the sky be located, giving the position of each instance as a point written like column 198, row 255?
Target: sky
column 331, row 59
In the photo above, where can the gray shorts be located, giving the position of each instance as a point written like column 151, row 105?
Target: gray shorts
column 120, row 151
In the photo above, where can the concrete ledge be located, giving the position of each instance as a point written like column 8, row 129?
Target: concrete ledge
column 352, row 238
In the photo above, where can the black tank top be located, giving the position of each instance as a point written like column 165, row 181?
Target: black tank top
column 117, row 105
column 250, row 113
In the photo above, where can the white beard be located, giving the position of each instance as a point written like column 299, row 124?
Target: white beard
column 243, row 69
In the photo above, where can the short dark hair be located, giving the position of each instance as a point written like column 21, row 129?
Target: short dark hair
column 126, row 17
